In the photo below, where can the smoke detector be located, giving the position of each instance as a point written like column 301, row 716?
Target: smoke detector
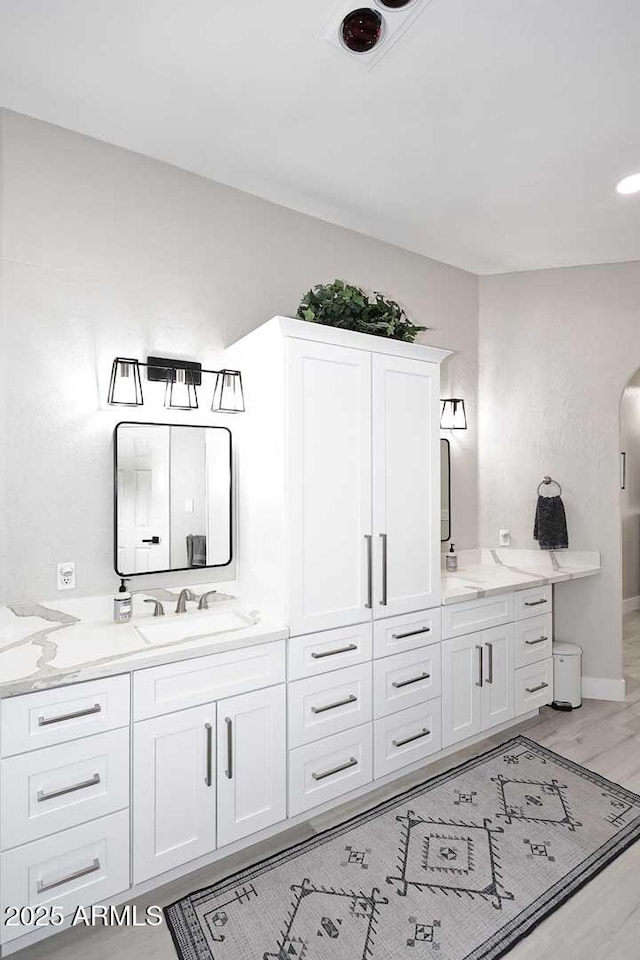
column 366, row 32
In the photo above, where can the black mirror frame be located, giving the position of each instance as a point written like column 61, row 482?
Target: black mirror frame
column 444, row 440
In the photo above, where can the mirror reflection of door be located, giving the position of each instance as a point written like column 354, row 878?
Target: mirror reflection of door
column 173, row 488
column 143, row 499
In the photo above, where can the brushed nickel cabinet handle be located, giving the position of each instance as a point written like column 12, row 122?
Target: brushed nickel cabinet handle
column 45, row 721
column 41, row 796
column 42, row 887
column 416, row 736
column 480, row 680
column 334, row 653
column 490, row 670
column 405, row 683
column 329, row 773
column 229, row 771
column 209, row 775
column 532, row 643
column 369, row 602
column 540, row 686
column 410, row 633
column 332, row 706
column 534, row 603
column 383, row 537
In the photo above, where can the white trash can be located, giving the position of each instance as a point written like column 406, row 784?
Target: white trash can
column 567, row 675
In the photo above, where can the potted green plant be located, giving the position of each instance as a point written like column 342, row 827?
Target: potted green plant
column 343, row 305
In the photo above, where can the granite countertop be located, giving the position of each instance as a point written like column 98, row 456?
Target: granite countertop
column 483, row 573
column 46, row 645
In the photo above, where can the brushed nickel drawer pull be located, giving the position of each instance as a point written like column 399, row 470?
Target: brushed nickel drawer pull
column 534, row 603
column 229, row 771
column 369, row 602
column 41, row 796
column 532, row 643
column 490, row 668
column 410, row 633
column 480, row 680
column 42, row 887
column 334, row 653
column 45, row 721
column 540, row 686
column 383, row 537
column 329, row 773
column 416, row 736
column 405, row 683
column 332, row 706
column 209, row 774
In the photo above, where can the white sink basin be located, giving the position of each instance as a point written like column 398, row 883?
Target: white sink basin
column 191, row 626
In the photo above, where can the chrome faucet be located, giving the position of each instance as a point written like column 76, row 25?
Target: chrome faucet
column 204, row 600
column 185, row 595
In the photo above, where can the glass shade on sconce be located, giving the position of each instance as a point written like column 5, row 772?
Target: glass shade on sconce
column 125, row 386
column 180, row 392
column 453, row 415
column 228, row 396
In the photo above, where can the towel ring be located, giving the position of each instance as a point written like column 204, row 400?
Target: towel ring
column 545, row 483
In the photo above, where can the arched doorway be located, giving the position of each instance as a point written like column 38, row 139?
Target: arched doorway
column 630, row 519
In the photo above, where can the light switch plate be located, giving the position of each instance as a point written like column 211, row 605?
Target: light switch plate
column 505, row 538
column 66, row 575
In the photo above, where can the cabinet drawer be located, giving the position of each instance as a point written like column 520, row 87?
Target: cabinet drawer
column 329, row 768
column 533, row 602
column 64, row 713
column 406, row 680
column 191, row 683
column 534, row 638
column 318, row 653
column 406, row 633
column 534, row 686
column 459, row 619
column 406, row 737
column 85, row 865
column 321, row 706
column 59, row 787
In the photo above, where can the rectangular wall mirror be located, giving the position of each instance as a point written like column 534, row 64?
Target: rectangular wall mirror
column 172, row 487
column 445, row 486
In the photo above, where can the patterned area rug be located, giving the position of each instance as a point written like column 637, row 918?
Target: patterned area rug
column 460, row 867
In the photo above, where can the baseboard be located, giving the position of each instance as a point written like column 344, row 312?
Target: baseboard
column 633, row 603
column 603, row 688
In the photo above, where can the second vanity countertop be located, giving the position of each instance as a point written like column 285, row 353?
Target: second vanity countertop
column 68, row 641
column 483, row 573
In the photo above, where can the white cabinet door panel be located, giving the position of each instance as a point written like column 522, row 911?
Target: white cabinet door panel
column 252, row 763
column 173, row 790
column 406, row 485
column 498, row 688
column 329, row 484
column 461, row 688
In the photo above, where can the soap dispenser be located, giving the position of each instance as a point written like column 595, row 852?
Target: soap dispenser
column 122, row 604
column 451, row 560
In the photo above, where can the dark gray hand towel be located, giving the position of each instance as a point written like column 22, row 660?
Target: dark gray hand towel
column 550, row 528
column 196, row 550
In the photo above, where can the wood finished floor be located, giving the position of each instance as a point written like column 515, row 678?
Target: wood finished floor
column 600, row 921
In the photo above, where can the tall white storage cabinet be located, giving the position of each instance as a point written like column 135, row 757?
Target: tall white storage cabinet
column 339, row 474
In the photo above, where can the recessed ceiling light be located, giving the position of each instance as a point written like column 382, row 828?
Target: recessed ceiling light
column 362, row 29
column 628, row 185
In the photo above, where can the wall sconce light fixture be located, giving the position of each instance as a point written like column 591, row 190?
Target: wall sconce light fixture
column 181, row 378
column 453, row 415
column 125, row 388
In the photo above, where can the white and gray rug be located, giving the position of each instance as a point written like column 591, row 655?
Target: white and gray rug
column 458, row 868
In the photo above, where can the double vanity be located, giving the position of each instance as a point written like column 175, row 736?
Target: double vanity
column 134, row 753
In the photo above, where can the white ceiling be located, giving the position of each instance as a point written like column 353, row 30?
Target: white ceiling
column 490, row 136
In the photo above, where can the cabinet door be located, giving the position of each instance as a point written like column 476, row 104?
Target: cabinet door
column 462, row 675
column 173, row 790
column 498, row 690
column 252, row 767
column 329, row 485
column 406, row 485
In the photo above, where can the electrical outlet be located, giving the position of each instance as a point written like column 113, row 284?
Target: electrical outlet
column 505, row 538
column 66, row 575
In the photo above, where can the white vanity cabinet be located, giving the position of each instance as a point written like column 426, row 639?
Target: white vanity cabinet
column 339, row 489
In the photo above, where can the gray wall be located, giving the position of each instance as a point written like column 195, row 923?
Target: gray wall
column 108, row 252
column 630, row 496
column 557, row 348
